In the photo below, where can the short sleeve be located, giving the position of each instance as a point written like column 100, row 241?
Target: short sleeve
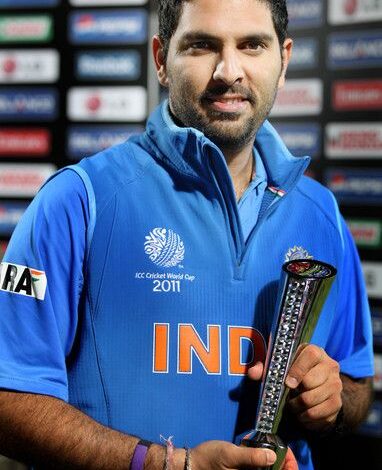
column 351, row 340
column 41, row 280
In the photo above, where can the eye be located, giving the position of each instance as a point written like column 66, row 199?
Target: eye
column 200, row 45
column 255, row 46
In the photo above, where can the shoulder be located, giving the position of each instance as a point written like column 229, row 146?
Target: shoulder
column 321, row 199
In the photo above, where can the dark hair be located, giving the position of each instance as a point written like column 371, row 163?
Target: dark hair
column 170, row 11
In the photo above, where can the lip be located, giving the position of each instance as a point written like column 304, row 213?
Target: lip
column 227, row 103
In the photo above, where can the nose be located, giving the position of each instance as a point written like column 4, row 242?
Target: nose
column 228, row 69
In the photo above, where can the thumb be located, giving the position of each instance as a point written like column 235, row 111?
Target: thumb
column 256, row 371
column 250, row 457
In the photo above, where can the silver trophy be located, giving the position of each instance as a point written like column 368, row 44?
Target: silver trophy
column 303, row 289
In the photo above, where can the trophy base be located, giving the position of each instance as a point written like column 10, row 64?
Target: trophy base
column 267, row 441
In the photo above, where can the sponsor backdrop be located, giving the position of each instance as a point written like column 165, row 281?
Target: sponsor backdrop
column 74, row 79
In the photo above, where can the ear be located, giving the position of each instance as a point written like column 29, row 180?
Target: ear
column 286, row 56
column 159, row 60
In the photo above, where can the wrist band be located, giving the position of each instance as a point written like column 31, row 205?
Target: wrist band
column 138, row 460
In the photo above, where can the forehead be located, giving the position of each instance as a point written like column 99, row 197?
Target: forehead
column 226, row 17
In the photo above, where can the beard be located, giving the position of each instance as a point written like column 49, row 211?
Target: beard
column 228, row 130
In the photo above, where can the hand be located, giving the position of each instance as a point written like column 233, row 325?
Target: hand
column 290, row 462
column 220, row 455
column 314, row 379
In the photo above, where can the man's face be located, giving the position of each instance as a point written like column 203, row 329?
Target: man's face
column 223, row 68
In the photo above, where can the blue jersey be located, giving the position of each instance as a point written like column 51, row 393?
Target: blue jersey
column 129, row 289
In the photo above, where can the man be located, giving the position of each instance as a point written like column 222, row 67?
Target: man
column 140, row 285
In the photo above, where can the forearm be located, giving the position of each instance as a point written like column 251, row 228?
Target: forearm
column 49, row 433
column 356, row 400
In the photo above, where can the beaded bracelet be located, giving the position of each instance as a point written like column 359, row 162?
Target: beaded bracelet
column 187, row 462
column 139, row 456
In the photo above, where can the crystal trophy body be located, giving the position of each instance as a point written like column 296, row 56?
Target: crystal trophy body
column 303, row 289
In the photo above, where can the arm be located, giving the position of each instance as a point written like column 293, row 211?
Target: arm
column 51, row 434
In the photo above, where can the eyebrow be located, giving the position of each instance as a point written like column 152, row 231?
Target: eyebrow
column 202, row 35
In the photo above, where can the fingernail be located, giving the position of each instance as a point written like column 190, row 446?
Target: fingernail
column 270, row 456
column 291, row 382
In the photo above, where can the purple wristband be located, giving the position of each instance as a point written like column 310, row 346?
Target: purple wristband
column 139, row 456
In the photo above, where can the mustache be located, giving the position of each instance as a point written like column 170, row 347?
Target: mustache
column 221, row 90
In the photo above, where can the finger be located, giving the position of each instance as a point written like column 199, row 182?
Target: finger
column 290, row 462
column 306, row 359
column 324, row 413
column 326, row 372
column 311, row 398
column 256, row 371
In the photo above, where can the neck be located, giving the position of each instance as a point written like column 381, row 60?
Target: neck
column 241, row 166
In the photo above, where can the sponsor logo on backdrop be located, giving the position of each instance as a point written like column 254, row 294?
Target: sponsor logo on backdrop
column 3, row 247
column 305, row 13
column 357, row 94
column 299, row 97
column 376, row 318
column 305, row 54
column 355, row 186
column 23, row 180
column 22, row 280
column 26, row 28
column 367, row 233
column 358, row 49
column 24, row 104
column 10, row 214
column 92, row 3
column 300, row 138
column 25, row 142
column 85, row 141
column 28, row 3
column 29, row 65
column 108, row 27
column 354, row 11
column 112, row 65
column 373, row 277
column 107, row 103
column 377, row 384
column 354, row 140
column 372, row 426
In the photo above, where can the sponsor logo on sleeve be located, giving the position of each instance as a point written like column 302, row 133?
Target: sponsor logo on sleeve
column 354, row 11
column 376, row 318
column 305, row 54
column 367, row 233
column 10, row 214
column 108, row 27
column 23, row 180
column 360, row 49
column 305, row 13
column 28, row 3
column 355, row 186
column 29, row 142
column 354, row 140
column 373, row 277
column 22, row 280
column 26, row 28
column 299, row 97
column 32, row 65
column 107, row 103
column 112, row 65
column 87, row 140
column 301, row 138
column 28, row 104
column 353, row 95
